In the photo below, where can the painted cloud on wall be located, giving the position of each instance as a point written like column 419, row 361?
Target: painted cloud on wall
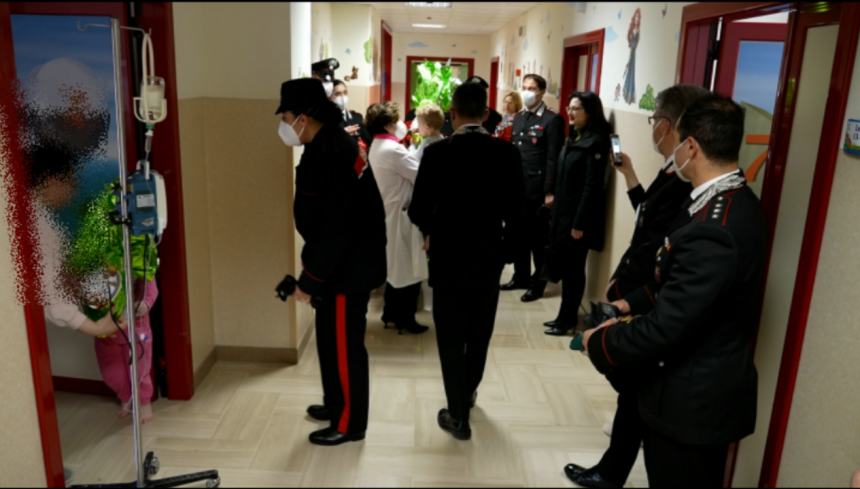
column 610, row 34
column 417, row 45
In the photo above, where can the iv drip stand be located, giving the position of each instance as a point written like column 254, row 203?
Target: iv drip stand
column 150, row 465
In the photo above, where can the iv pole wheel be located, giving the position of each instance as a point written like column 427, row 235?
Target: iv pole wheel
column 154, row 466
column 213, row 482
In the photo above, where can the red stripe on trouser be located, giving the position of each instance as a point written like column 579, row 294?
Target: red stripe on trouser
column 342, row 360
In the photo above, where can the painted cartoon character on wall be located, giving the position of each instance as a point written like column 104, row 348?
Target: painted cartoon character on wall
column 629, row 72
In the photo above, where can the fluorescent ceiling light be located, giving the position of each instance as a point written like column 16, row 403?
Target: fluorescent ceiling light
column 429, row 4
column 430, row 26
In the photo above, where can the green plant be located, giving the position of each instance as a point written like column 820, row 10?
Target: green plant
column 648, row 102
column 436, row 84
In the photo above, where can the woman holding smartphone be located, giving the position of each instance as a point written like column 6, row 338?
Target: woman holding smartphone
column 579, row 211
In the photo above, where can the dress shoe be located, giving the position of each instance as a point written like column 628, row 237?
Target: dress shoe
column 413, row 328
column 386, row 321
column 514, row 284
column 330, row 436
column 573, row 471
column 592, row 478
column 531, row 295
column 558, row 323
column 459, row 429
column 559, row 330
column 319, row 412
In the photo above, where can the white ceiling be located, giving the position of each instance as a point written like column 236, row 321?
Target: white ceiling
column 478, row 18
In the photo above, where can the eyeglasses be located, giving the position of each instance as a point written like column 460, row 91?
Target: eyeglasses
column 653, row 118
column 574, row 109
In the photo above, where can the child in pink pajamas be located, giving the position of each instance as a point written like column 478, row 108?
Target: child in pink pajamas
column 114, row 354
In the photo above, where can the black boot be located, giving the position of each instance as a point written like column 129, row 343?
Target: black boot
column 459, row 429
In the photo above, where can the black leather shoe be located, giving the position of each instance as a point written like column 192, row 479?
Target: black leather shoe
column 413, row 328
column 330, row 436
column 573, row 471
column 459, row 429
column 514, row 284
column 386, row 321
column 555, row 323
column 591, row 478
column 531, row 295
column 559, row 330
column 319, row 412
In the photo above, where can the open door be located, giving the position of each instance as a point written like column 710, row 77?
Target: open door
column 494, row 81
column 385, row 89
column 581, row 66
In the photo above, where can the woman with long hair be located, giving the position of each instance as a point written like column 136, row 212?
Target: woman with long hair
column 579, row 211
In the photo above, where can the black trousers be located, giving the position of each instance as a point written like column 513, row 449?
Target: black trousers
column 673, row 464
column 572, row 283
column 618, row 460
column 536, row 229
column 341, row 320
column 464, row 320
column 401, row 304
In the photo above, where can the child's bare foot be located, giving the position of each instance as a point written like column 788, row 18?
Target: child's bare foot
column 125, row 410
column 146, row 413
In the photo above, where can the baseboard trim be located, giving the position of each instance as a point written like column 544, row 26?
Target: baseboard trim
column 256, row 354
column 203, row 370
column 82, row 386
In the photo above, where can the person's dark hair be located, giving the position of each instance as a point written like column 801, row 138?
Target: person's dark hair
column 541, row 81
column 717, row 123
column 338, row 82
column 379, row 116
column 45, row 160
column 470, row 100
column 672, row 101
column 597, row 122
column 479, row 81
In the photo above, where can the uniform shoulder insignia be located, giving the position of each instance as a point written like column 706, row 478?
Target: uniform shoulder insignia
column 716, row 211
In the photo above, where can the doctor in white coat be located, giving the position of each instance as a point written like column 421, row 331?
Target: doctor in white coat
column 395, row 170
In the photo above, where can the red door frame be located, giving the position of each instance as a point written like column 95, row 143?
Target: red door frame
column 157, row 16
column 849, row 20
column 409, row 59
column 494, row 81
column 848, row 17
column 386, row 62
column 573, row 49
column 730, row 47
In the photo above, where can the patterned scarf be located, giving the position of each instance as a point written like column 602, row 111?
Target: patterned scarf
column 733, row 182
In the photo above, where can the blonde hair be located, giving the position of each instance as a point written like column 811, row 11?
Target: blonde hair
column 431, row 115
column 516, row 99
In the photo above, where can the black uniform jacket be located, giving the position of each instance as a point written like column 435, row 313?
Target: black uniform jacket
column 580, row 191
column 693, row 350
column 659, row 207
column 539, row 136
column 468, row 198
column 356, row 118
column 340, row 216
column 492, row 121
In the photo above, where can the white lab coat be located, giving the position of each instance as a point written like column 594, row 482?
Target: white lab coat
column 395, row 171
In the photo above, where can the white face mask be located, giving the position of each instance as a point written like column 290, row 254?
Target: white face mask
column 341, row 101
column 677, row 169
column 288, row 134
column 329, row 88
column 529, row 97
column 401, row 130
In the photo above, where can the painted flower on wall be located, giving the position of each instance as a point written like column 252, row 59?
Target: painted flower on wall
column 368, row 50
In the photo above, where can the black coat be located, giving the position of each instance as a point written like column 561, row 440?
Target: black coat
column 339, row 214
column 659, row 206
column 698, row 384
column 580, row 191
column 468, row 198
column 356, row 118
column 539, row 137
column 492, row 121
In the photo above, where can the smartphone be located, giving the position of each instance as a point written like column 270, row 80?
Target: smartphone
column 616, row 149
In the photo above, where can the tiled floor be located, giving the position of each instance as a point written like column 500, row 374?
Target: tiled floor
column 539, row 407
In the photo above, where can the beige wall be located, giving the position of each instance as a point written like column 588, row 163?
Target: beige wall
column 788, row 238
column 231, row 60
column 352, row 26
column 540, row 50
column 436, row 45
column 21, row 462
column 822, row 446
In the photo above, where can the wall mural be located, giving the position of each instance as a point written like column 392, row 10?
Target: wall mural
column 417, row 45
column 648, row 101
column 368, row 50
column 629, row 89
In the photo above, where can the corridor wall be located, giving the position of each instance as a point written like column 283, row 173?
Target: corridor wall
column 534, row 43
